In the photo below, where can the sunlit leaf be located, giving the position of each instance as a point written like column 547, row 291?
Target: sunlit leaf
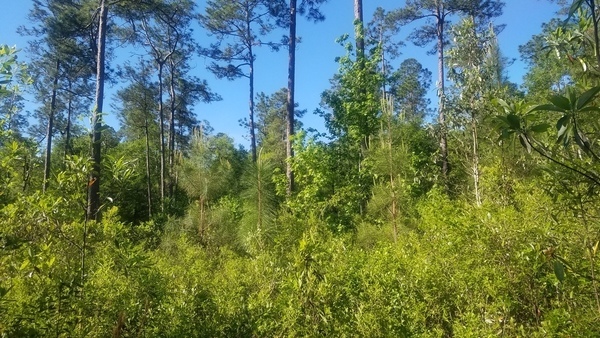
column 504, row 105
column 574, row 8
column 547, row 107
column 586, row 97
column 561, row 102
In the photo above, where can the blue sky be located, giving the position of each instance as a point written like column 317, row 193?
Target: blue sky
column 315, row 57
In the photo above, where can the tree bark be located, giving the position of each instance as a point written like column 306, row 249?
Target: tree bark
column 148, row 177
column 476, row 173
column 50, row 129
column 171, row 142
column 360, row 57
column 161, row 118
column 94, row 181
column 441, row 91
column 68, row 149
column 359, row 28
column 252, row 127
column 290, row 99
column 251, row 104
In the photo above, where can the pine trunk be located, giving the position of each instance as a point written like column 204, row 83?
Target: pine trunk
column 68, row 149
column 173, row 107
column 161, row 118
column 251, row 126
column 441, row 92
column 94, row 182
column 148, row 177
column 290, row 98
column 50, row 129
column 359, row 28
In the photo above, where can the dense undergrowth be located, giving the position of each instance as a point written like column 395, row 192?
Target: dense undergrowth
column 518, row 270
column 383, row 232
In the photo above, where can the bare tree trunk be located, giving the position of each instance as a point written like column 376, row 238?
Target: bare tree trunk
column 359, row 28
column 173, row 107
column 161, row 117
column 26, row 172
column 148, row 177
column 384, row 73
column 476, row 173
column 94, row 182
column 50, row 129
column 360, row 56
column 441, row 92
column 68, row 150
column 252, row 126
column 290, row 99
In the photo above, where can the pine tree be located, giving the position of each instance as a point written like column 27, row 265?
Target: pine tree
column 238, row 27
column 437, row 13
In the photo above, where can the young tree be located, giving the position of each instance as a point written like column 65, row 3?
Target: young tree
column 206, row 176
column 437, row 13
column 353, row 120
column 138, row 118
column 466, row 60
column 165, row 31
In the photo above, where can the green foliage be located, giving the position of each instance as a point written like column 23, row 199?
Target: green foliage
column 271, row 119
column 441, row 11
column 206, row 177
column 355, row 99
column 409, row 86
column 458, row 270
column 11, row 70
column 571, row 126
column 369, row 244
column 18, row 165
column 208, row 171
column 238, row 26
column 260, row 204
column 13, row 73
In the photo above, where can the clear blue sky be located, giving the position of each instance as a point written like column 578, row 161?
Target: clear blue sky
column 315, row 57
